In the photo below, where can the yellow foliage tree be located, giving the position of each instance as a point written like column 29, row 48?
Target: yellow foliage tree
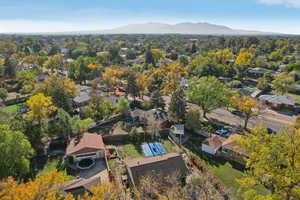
column 112, row 75
column 274, row 162
column 248, row 106
column 40, row 107
column 245, row 58
column 221, row 56
column 42, row 188
column 173, row 72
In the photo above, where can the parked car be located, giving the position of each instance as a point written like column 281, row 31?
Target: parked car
column 238, row 113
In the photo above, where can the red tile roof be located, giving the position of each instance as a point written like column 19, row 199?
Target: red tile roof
column 88, row 143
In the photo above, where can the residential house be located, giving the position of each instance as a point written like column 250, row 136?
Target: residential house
column 162, row 165
column 87, row 146
column 231, row 150
column 278, row 102
column 256, row 72
column 82, row 99
column 212, row 144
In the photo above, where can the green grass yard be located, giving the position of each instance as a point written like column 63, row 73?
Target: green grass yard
column 12, row 108
column 227, row 172
column 134, row 151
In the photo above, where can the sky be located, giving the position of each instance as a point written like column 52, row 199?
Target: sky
column 23, row 16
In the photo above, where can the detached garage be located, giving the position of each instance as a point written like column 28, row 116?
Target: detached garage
column 212, row 144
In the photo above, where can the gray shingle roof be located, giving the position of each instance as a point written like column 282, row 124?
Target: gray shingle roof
column 276, row 99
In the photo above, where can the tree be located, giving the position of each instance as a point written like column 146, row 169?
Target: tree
column 274, row 162
column 98, row 109
column 3, row 94
column 173, row 73
column 209, row 93
column 245, row 58
column 10, row 66
column 193, row 117
column 183, row 60
column 248, row 106
column 177, row 107
column 27, row 81
column 45, row 187
column 157, row 100
column 61, row 89
column 40, row 107
column 282, row 83
column 123, row 106
column 132, row 86
column 112, row 76
column 64, row 125
column 56, row 62
column 15, row 153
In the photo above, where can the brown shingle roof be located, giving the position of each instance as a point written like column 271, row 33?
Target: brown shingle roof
column 231, row 143
column 164, row 165
column 214, row 141
column 86, row 144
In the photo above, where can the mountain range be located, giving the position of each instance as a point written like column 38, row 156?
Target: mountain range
column 181, row 28
column 161, row 28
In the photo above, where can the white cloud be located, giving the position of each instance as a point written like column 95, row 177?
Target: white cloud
column 288, row 3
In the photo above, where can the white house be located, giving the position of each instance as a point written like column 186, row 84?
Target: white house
column 212, row 144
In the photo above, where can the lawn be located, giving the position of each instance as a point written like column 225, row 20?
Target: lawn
column 52, row 165
column 134, row 151
column 12, row 108
column 130, row 151
column 227, row 172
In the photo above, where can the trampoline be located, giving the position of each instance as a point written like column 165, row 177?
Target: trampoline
column 153, row 149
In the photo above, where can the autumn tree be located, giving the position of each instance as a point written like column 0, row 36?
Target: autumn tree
column 15, row 153
column 245, row 58
column 282, row 83
column 177, row 107
column 221, row 56
column 45, row 187
column 112, row 76
column 173, row 73
column 274, row 162
column 61, row 89
column 209, row 93
column 40, row 107
column 248, row 106
column 56, row 62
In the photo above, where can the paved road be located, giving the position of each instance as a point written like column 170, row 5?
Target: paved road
column 269, row 118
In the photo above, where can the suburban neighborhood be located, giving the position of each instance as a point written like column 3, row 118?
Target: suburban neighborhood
column 174, row 114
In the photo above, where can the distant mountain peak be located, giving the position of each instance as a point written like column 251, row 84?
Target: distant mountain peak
column 200, row 28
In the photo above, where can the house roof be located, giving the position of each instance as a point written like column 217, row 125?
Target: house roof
column 214, row 141
column 163, row 164
column 83, row 97
column 88, row 143
column 231, row 143
column 178, row 129
column 276, row 99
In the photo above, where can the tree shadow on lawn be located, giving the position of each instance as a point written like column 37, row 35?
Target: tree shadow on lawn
column 194, row 145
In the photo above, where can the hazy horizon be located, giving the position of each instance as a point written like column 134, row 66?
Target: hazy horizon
column 30, row 16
